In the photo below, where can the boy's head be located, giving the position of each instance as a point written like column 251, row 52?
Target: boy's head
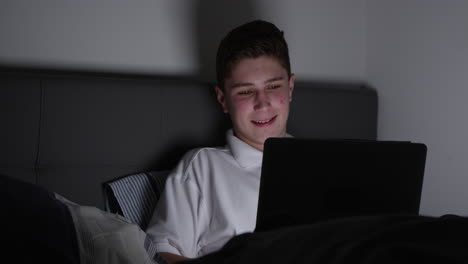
column 255, row 83
column 250, row 40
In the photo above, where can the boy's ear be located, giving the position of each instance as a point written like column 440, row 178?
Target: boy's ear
column 291, row 86
column 221, row 98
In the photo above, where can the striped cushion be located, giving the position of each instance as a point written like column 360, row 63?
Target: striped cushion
column 135, row 196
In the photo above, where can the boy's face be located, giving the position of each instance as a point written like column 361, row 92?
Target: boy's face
column 257, row 96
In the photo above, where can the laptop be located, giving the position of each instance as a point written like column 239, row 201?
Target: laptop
column 304, row 181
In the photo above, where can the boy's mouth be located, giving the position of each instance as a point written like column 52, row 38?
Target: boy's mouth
column 264, row 122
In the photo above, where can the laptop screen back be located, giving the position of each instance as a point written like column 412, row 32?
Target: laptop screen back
column 305, row 180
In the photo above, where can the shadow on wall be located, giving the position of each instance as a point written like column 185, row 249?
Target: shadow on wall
column 213, row 19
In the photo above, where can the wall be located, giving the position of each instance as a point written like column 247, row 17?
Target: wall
column 326, row 37
column 120, row 36
column 417, row 58
column 177, row 37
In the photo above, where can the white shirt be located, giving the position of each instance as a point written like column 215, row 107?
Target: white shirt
column 211, row 196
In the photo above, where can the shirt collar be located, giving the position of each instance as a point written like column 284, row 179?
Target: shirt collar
column 245, row 155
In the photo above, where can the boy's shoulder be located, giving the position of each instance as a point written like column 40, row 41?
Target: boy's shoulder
column 205, row 154
column 200, row 158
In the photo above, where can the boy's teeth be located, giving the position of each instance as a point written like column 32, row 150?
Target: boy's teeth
column 263, row 122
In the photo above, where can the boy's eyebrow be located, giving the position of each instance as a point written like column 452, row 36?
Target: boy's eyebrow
column 274, row 79
column 237, row 85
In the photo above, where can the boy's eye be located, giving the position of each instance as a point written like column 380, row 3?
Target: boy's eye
column 271, row 87
column 245, row 92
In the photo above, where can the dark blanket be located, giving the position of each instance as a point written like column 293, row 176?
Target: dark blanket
column 376, row 239
column 36, row 227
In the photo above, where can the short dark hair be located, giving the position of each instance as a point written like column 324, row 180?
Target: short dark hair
column 251, row 40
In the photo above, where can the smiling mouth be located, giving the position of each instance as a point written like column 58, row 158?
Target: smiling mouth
column 264, row 122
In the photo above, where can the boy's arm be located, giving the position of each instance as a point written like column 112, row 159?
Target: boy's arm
column 175, row 225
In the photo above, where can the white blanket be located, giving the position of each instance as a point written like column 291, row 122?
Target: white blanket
column 106, row 238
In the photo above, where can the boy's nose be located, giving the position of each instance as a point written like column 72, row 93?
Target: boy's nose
column 262, row 100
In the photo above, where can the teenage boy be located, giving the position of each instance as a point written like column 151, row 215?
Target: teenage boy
column 212, row 194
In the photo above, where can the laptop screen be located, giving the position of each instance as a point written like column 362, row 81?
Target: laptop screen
column 307, row 180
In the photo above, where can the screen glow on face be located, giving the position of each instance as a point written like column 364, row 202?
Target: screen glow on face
column 257, row 96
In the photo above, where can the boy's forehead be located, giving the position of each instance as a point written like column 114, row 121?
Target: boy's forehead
column 260, row 69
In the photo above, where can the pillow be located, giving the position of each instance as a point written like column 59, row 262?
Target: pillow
column 135, row 196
